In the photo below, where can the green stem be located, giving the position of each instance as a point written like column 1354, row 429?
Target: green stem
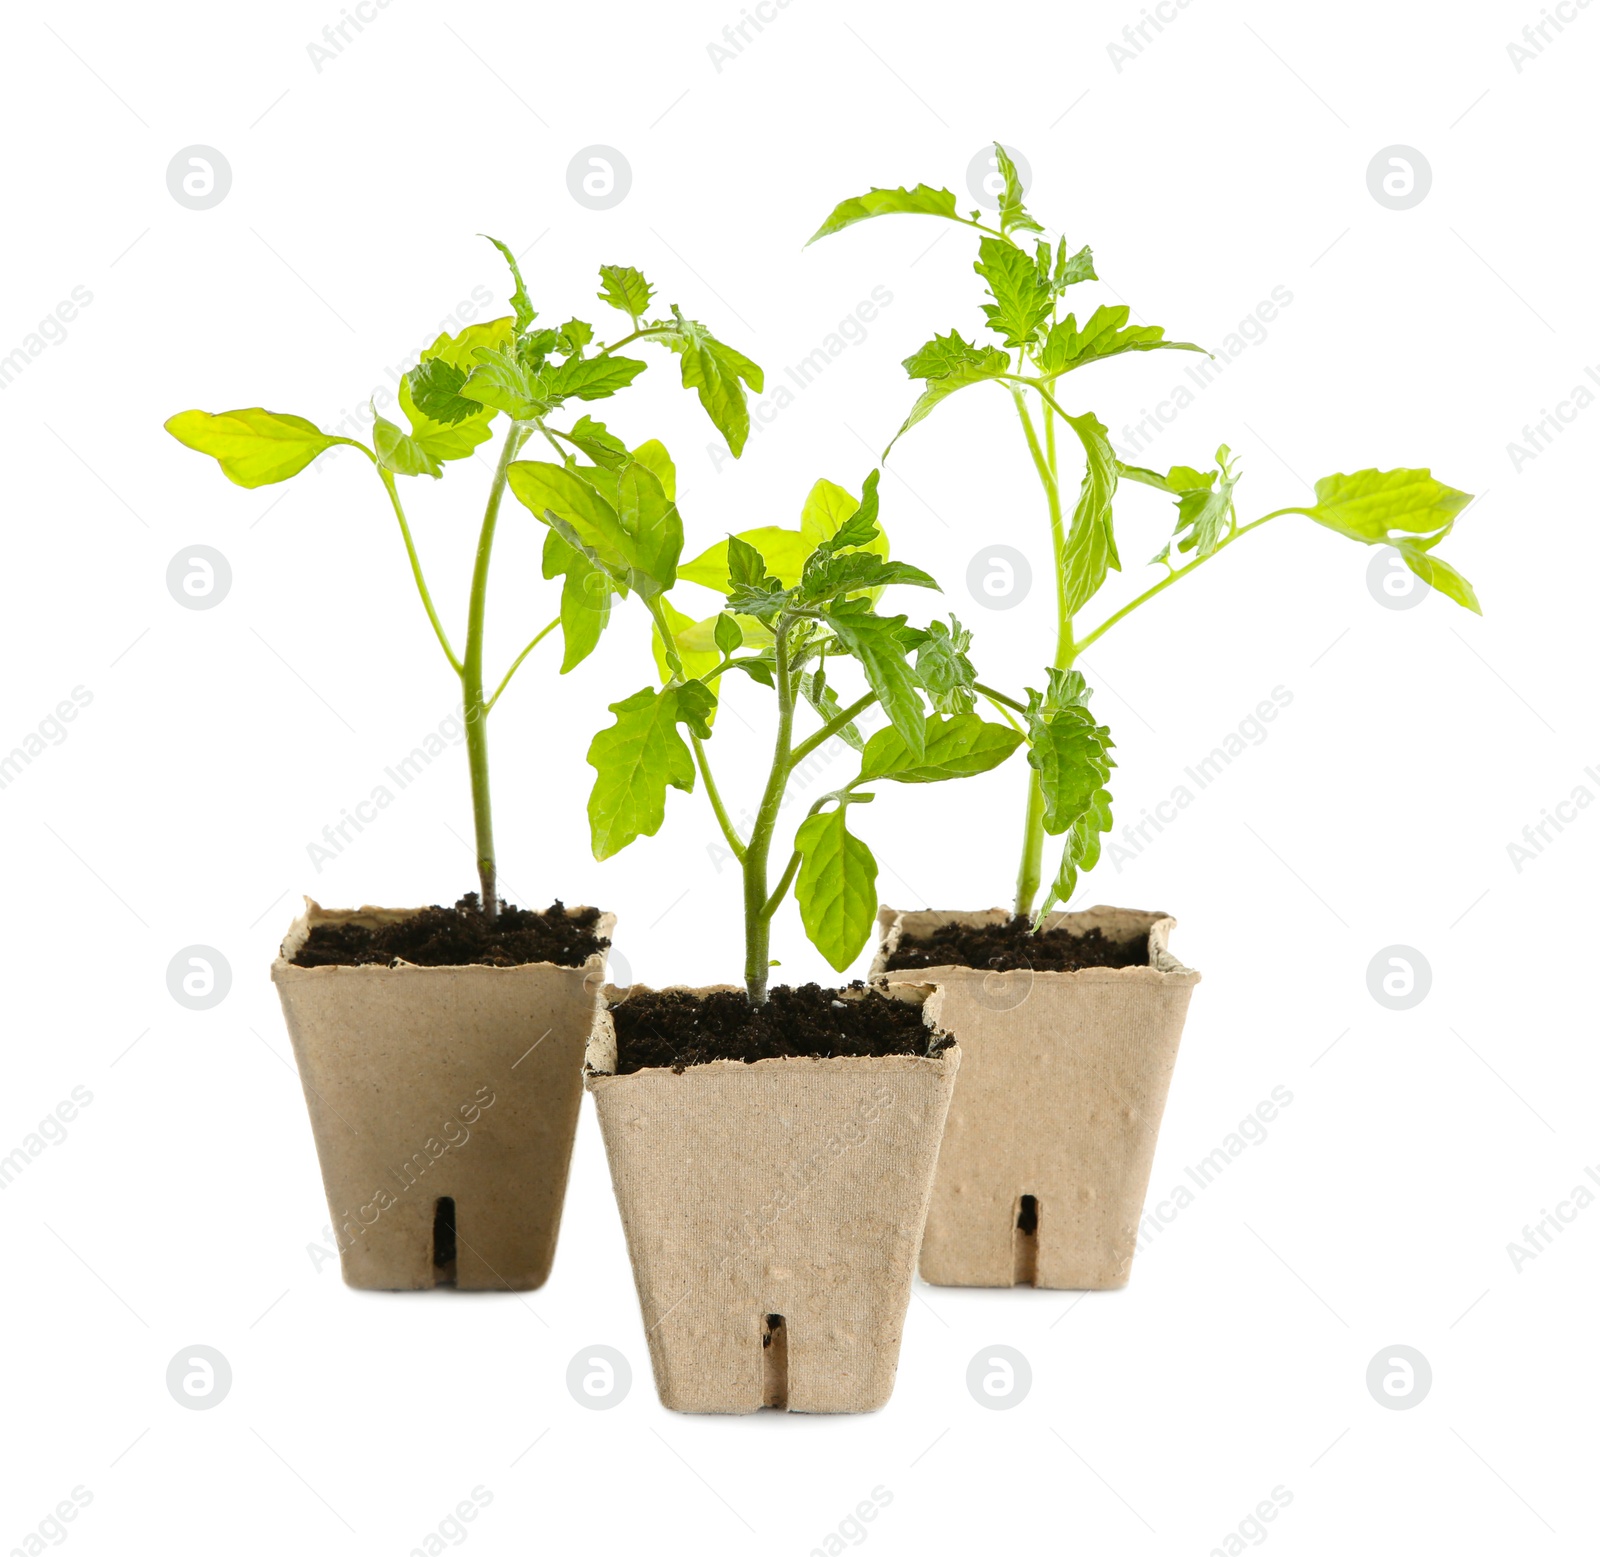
column 999, row 698
column 387, row 477
column 1031, row 871
column 1183, row 572
column 669, row 642
column 1030, row 868
column 550, row 436
column 475, row 708
column 1006, row 714
column 639, row 334
column 757, row 919
column 724, row 821
column 831, row 728
column 538, row 638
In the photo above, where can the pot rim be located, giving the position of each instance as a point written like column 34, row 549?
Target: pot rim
column 600, row 1054
column 1157, row 925
column 313, row 912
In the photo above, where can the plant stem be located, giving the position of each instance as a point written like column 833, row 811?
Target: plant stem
column 831, row 728
column 538, row 638
column 999, row 698
column 639, row 334
column 757, row 917
column 724, row 821
column 475, row 708
column 387, row 477
column 669, row 643
column 1177, row 573
column 1031, row 866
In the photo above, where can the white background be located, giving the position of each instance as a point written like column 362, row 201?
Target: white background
column 1228, row 158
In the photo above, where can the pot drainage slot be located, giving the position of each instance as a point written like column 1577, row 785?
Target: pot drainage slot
column 775, row 1364
column 1025, row 1243
column 444, row 1241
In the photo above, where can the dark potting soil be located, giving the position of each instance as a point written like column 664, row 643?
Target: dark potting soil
column 1000, row 948
column 676, row 1029
column 460, row 936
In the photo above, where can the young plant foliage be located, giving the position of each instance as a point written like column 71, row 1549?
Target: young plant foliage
column 618, row 529
column 1030, row 350
column 799, row 609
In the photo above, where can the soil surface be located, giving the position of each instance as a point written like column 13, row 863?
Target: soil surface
column 1000, row 948
column 458, row 937
column 675, row 1029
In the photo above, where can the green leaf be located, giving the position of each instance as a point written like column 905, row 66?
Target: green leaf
column 1205, row 506
column 652, row 527
column 921, row 201
column 1022, row 300
column 715, row 370
column 639, row 537
column 435, row 387
column 400, row 452
column 746, row 565
column 444, row 440
column 727, row 633
column 585, row 599
column 636, row 759
column 836, row 888
column 575, row 335
column 602, row 446
column 624, row 287
column 461, row 350
column 519, row 296
column 1388, row 506
column 591, row 378
column 531, row 349
column 955, row 747
column 784, row 553
column 959, row 363
column 828, row 508
column 857, row 570
column 1012, row 212
column 760, row 601
column 652, row 454
column 861, row 528
column 254, row 447
column 547, row 488
column 1071, row 755
column 1071, row 269
column 1438, row 573
column 944, row 669
column 1081, row 852
column 498, row 379
column 874, row 642
column 1091, row 546
column 1067, row 347
column 759, row 667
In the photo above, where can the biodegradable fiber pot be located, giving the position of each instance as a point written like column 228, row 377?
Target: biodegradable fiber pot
column 773, row 1212
column 443, row 1102
column 1047, row 1149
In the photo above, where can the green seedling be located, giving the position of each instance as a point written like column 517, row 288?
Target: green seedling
column 800, row 606
column 1036, row 351
column 531, row 377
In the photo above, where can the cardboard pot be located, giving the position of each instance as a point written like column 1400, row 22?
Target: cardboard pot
column 443, row 1102
column 1051, row 1132
column 773, row 1212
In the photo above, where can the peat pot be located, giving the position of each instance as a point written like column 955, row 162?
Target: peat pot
column 773, row 1212
column 1052, row 1129
column 443, row 1102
